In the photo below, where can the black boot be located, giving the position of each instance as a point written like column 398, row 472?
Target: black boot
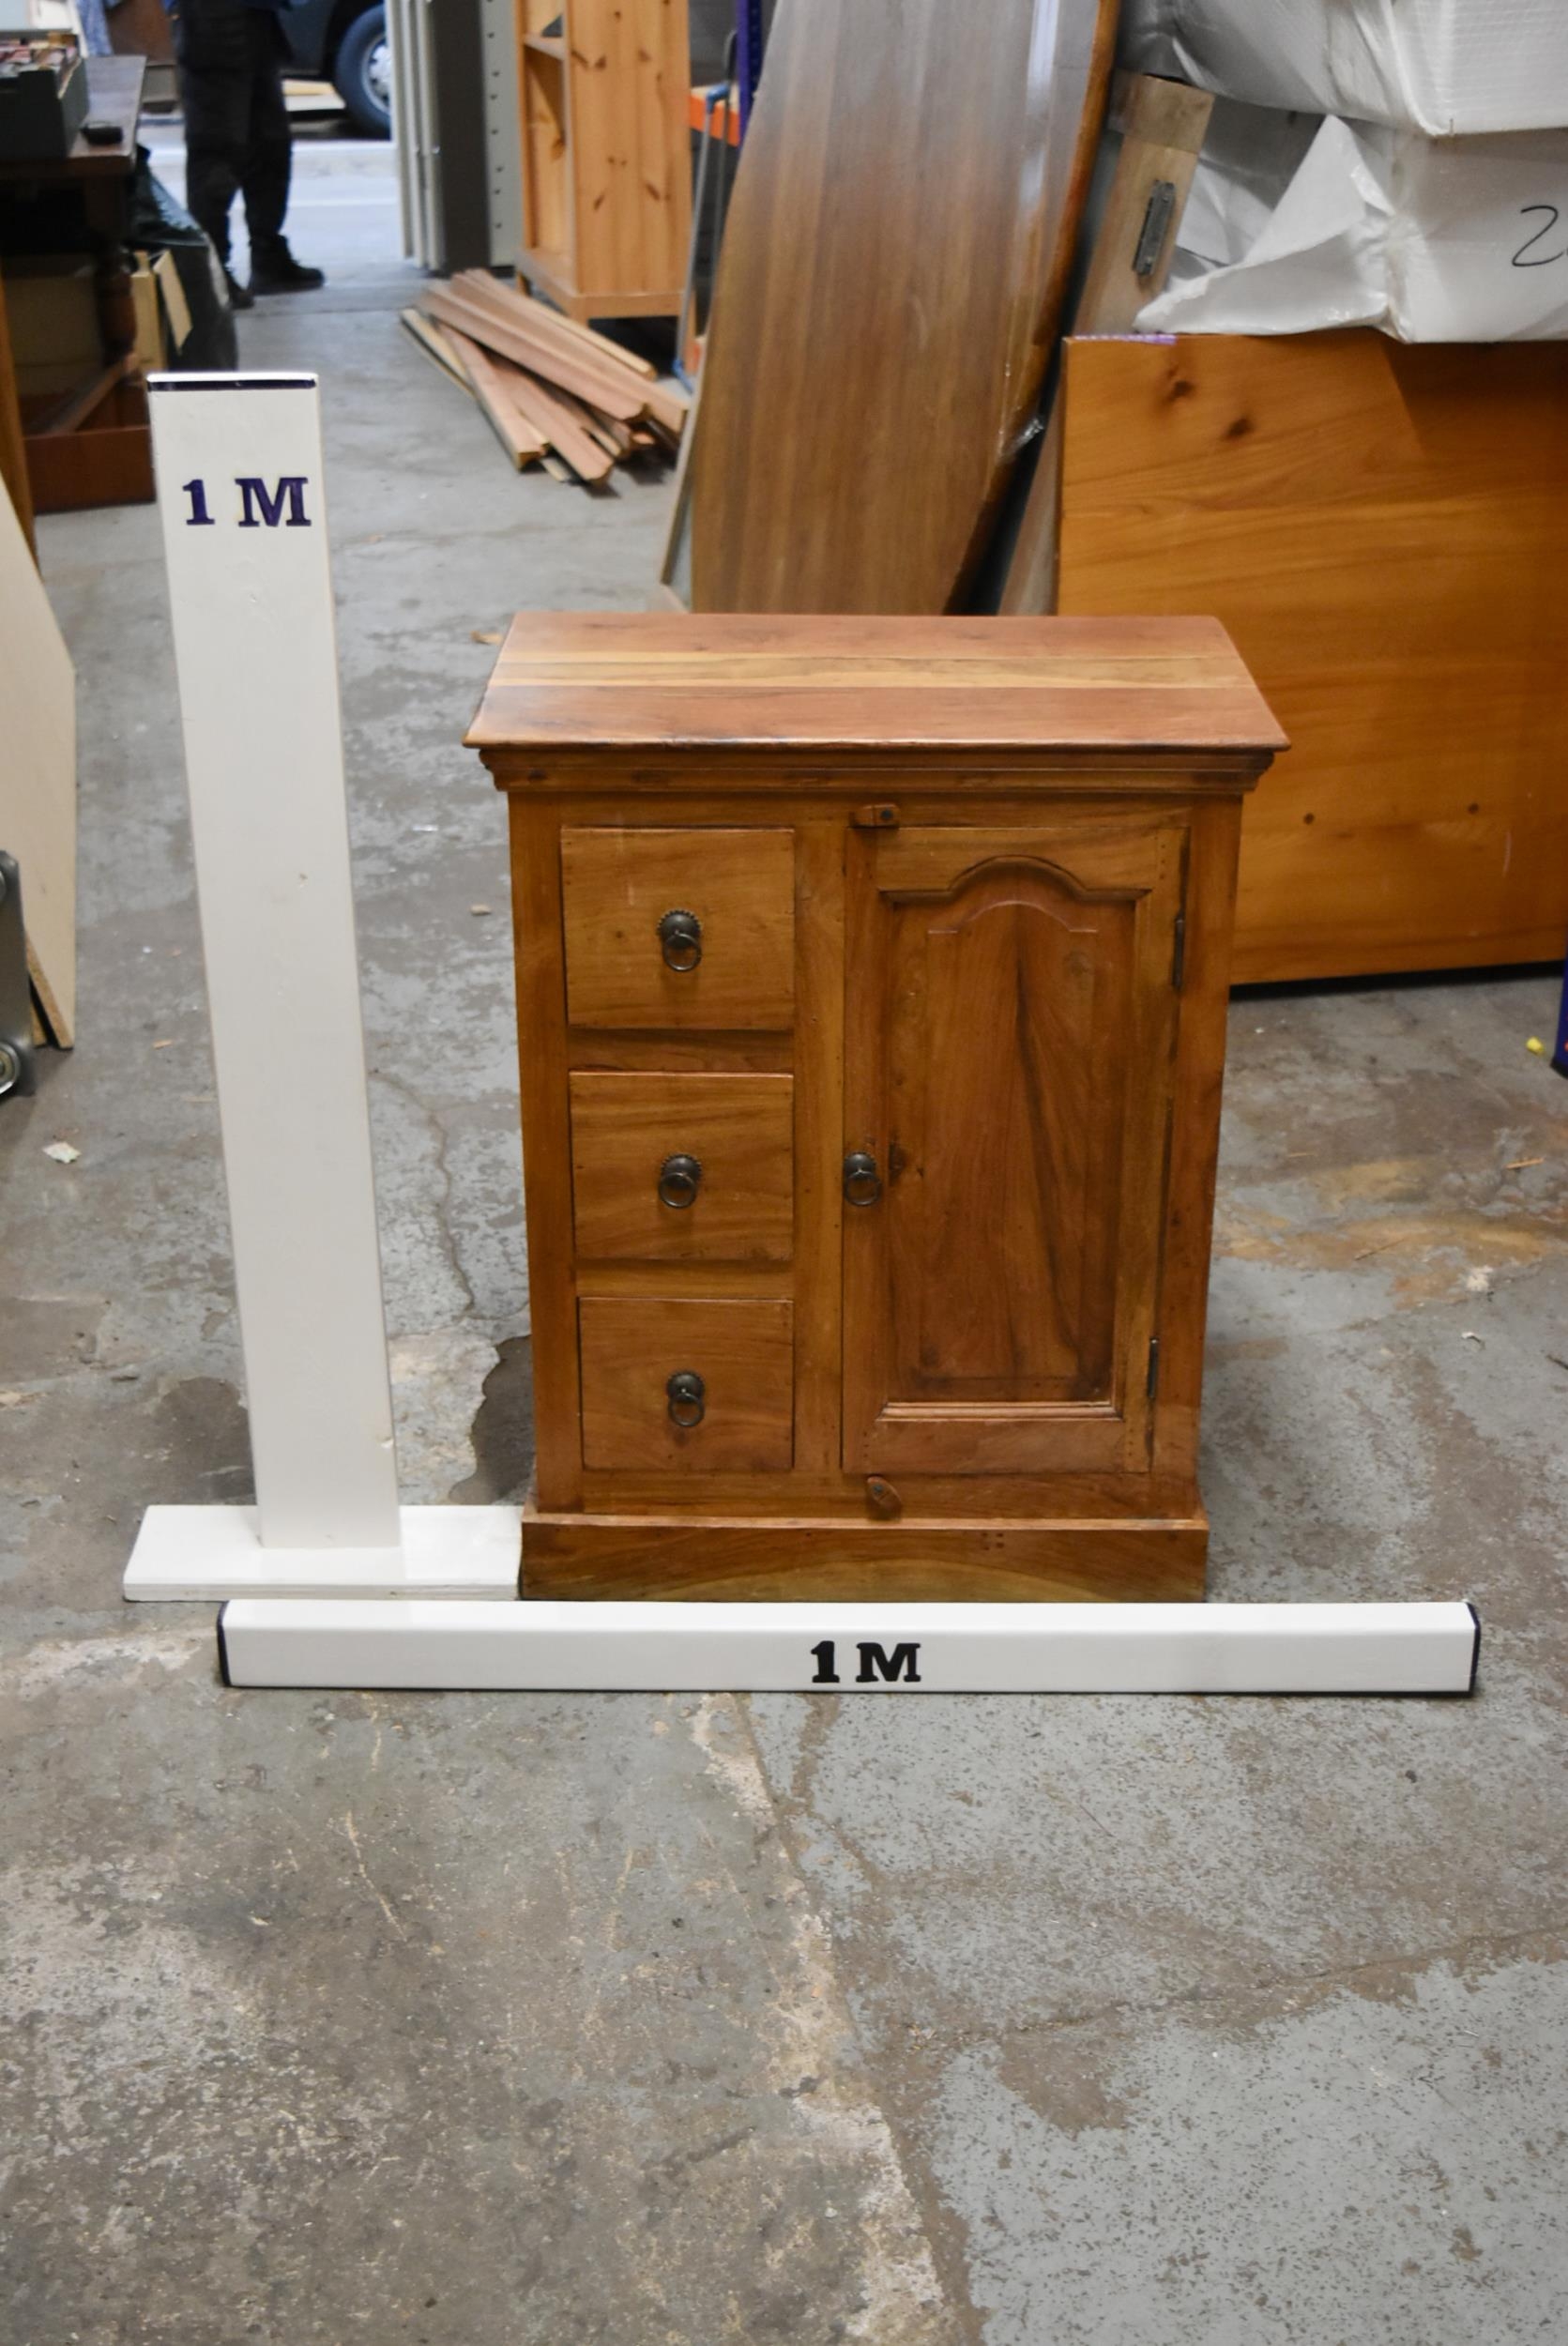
column 275, row 270
column 240, row 296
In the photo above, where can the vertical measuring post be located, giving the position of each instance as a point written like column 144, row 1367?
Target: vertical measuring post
column 244, row 512
column 241, row 496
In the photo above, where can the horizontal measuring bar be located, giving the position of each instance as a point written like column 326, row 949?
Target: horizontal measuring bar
column 1424, row 1649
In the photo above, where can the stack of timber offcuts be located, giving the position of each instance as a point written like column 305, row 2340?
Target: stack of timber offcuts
column 554, row 391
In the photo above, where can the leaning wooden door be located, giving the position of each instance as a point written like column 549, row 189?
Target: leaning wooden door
column 1009, row 1040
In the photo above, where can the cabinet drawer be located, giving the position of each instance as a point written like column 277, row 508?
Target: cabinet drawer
column 741, row 1352
column 682, row 1168
column 729, row 962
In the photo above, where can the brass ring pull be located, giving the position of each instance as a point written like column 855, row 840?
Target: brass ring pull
column 680, row 936
column 679, row 1178
column 688, row 1397
column 862, row 1183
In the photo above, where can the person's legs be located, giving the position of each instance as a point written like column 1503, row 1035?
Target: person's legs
column 267, row 156
column 269, row 149
column 216, row 107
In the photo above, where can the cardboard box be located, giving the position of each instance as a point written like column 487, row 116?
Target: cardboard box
column 1446, row 68
column 53, row 307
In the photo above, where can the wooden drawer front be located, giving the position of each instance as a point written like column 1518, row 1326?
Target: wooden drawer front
column 626, row 1128
column 743, row 1352
column 738, row 885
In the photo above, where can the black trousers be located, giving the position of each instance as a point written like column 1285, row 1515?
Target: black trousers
column 236, row 125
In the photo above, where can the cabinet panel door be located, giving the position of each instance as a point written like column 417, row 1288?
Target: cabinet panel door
column 1011, row 1025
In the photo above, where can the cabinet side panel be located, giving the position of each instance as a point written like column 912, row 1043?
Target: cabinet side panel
column 536, row 903
column 1196, row 1134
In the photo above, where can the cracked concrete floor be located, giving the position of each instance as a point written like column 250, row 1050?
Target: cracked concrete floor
column 512, row 2022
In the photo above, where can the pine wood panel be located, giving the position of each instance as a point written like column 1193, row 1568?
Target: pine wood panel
column 741, row 1349
column 569, row 683
column 606, row 154
column 738, row 1130
column 893, row 263
column 738, row 884
column 1008, row 1066
column 1379, row 528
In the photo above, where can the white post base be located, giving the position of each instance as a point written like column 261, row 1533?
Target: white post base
column 871, row 1648
column 189, row 1555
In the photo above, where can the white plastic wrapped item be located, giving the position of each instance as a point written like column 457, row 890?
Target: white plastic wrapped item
column 1448, row 67
column 1294, row 225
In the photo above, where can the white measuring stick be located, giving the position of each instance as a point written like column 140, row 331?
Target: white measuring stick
column 238, row 462
column 1421, row 1649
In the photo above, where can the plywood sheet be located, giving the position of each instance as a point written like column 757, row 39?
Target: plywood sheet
column 890, row 285
column 37, row 773
column 1379, row 528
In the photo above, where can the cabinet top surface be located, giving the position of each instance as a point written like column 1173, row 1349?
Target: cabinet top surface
column 660, row 680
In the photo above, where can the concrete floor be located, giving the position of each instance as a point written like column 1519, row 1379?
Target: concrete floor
column 527, row 2021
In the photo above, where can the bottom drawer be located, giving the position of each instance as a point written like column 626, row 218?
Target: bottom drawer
column 732, row 1406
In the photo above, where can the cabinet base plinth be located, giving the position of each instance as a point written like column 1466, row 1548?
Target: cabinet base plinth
column 1116, row 1561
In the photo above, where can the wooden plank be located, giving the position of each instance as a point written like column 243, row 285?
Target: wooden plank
column 1379, row 526
column 613, row 437
column 553, row 331
column 584, row 376
column 543, row 407
column 1161, row 126
column 520, row 439
column 869, row 377
column 434, row 342
column 723, row 683
column 511, row 299
column 667, row 404
column 37, row 773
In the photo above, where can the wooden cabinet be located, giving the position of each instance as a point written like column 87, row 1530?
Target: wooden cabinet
column 606, row 153
column 872, row 983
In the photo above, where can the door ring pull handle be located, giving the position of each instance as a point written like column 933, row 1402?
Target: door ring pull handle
column 688, row 1397
column 679, row 1178
column 681, row 940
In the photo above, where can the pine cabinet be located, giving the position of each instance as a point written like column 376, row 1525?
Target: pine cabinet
column 606, row 152
column 872, row 982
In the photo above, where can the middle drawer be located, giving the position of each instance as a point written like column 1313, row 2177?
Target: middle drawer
column 682, row 1168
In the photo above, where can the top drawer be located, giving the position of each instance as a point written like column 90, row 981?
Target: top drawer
column 680, row 928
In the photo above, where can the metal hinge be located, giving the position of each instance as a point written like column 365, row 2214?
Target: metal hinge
column 1179, row 958
column 1156, row 222
column 1151, row 1384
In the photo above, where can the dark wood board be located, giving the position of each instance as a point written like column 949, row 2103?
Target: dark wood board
column 890, row 287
